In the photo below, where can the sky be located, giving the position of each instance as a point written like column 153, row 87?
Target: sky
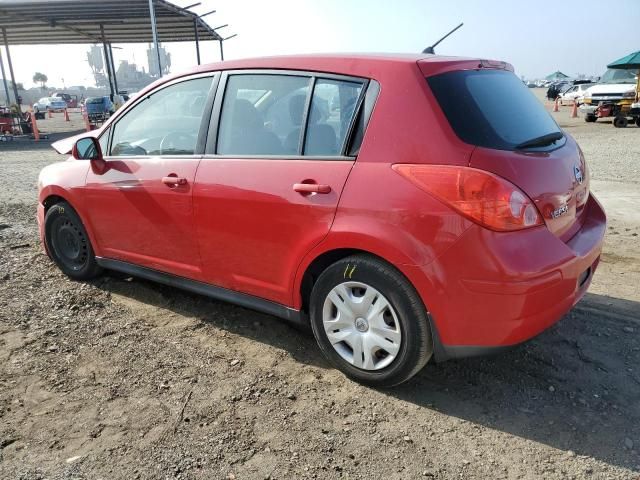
column 537, row 38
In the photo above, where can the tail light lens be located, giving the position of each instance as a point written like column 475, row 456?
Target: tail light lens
column 482, row 197
column 583, row 195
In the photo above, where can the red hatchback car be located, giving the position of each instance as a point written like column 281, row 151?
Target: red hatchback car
column 406, row 207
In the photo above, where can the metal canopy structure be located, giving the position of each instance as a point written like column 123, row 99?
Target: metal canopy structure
column 38, row 22
column 55, row 22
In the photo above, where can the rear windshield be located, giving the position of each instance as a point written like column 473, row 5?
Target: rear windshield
column 491, row 108
column 95, row 100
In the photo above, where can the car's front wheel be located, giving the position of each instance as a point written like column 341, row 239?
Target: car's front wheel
column 369, row 321
column 68, row 243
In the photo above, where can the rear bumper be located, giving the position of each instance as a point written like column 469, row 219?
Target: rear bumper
column 495, row 290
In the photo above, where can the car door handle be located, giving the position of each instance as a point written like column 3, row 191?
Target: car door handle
column 174, row 181
column 311, row 188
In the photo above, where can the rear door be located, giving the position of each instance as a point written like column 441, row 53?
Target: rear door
column 141, row 203
column 267, row 189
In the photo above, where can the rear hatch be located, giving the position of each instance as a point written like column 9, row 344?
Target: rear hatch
column 517, row 139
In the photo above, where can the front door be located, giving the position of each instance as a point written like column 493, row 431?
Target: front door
column 141, row 203
column 268, row 191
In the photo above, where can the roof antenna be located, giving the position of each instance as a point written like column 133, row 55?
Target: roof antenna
column 431, row 48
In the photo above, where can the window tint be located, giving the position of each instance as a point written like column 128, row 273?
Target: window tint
column 491, row 108
column 165, row 123
column 332, row 108
column 262, row 115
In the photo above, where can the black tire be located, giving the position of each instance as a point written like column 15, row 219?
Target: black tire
column 590, row 118
column 416, row 346
column 620, row 121
column 68, row 243
column 637, row 121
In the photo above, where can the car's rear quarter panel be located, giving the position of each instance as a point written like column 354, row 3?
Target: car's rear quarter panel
column 381, row 212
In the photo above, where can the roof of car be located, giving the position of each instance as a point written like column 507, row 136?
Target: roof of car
column 366, row 65
column 316, row 60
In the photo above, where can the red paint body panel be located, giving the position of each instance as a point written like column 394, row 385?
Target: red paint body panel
column 546, row 177
column 238, row 223
column 503, row 288
column 137, row 218
column 254, row 228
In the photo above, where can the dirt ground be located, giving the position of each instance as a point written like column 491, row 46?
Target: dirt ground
column 124, row 379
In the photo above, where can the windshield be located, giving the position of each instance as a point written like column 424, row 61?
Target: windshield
column 491, row 108
column 618, row 76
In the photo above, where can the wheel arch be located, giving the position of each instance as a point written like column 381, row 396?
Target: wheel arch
column 51, row 195
column 319, row 262
column 52, row 199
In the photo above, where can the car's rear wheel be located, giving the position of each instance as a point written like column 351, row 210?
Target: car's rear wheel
column 68, row 243
column 590, row 118
column 369, row 321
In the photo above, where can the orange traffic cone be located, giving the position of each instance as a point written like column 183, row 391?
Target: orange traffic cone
column 50, row 114
column 34, row 127
column 574, row 110
column 66, row 115
column 555, row 106
column 86, row 122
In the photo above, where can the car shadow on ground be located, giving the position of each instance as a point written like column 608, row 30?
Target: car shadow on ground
column 264, row 328
column 576, row 387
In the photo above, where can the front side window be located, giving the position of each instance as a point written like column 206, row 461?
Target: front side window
column 262, row 114
column 166, row 122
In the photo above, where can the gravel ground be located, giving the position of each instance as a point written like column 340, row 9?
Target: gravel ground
column 121, row 378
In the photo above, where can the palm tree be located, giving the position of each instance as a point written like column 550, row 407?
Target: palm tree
column 40, row 78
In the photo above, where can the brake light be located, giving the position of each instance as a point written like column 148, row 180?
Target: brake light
column 583, row 195
column 482, row 197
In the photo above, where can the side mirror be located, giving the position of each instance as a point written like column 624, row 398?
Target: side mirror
column 87, row 149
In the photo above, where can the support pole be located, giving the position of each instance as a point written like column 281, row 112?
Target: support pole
column 4, row 80
column 13, row 78
column 221, row 52
column 107, row 62
column 195, row 29
column 113, row 69
column 154, row 30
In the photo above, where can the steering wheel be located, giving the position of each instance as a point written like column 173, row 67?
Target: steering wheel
column 173, row 140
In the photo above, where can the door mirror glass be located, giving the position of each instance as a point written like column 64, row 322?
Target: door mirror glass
column 87, row 149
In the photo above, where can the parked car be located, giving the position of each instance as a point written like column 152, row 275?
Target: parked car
column 611, row 97
column 556, row 88
column 574, row 94
column 70, row 100
column 99, row 108
column 416, row 221
column 53, row 104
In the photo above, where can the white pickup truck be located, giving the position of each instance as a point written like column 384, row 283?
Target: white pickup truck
column 612, row 96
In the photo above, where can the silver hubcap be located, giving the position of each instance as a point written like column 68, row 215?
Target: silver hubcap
column 361, row 325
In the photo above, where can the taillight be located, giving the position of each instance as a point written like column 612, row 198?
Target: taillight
column 483, row 197
column 583, row 195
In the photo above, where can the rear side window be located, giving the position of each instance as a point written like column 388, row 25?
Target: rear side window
column 286, row 115
column 332, row 108
column 262, row 114
column 491, row 108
